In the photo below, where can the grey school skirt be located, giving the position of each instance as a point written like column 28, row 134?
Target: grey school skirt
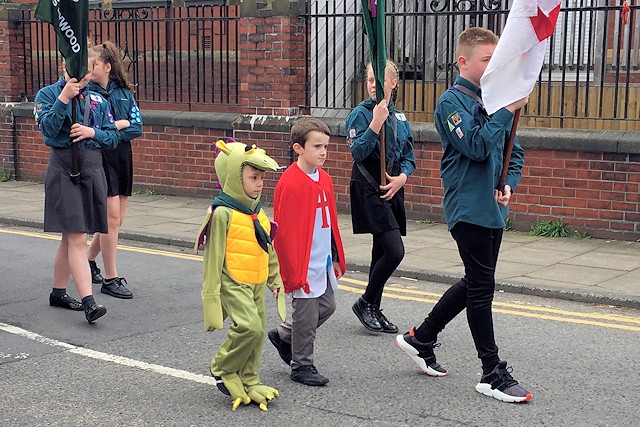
column 75, row 208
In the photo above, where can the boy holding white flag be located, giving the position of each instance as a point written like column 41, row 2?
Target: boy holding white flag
column 473, row 143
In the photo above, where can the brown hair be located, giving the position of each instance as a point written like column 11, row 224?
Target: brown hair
column 301, row 128
column 109, row 53
column 473, row 37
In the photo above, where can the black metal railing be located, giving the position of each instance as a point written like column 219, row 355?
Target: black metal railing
column 187, row 57
column 178, row 57
column 590, row 71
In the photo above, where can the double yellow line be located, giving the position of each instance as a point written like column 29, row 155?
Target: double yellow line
column 397, row 291
column 400, row 292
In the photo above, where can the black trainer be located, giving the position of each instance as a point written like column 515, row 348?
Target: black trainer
column 421, row 353
column 387, row 326
column 220, row 384
column 308, row 375
column 500, row 384
column 65, row 301
column 96, row 277
column 366, row 313
column 284, row 348
column 116, row 288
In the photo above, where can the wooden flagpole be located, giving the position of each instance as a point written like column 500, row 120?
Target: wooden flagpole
column 508, row 151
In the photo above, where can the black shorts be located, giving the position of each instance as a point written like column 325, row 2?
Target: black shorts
column 118, row 169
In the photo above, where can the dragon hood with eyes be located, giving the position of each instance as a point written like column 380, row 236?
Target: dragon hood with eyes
column 229, row 161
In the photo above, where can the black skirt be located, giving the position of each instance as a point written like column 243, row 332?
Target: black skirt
column 75, row 208
column 118, row 168
column 371, row 214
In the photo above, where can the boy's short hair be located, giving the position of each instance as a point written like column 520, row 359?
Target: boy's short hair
column 253, row 168
column 473, row 37
column 303, row 126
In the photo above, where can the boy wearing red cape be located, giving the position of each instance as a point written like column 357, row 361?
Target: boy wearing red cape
column 309, row 248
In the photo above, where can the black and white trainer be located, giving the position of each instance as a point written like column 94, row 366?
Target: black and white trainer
column 421, row 353
column 500, row 385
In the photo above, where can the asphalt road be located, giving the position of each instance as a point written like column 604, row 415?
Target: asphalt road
column 146, row 362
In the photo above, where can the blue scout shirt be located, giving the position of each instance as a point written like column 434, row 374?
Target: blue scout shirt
column 471, row 164
column 123, row 106
column 54, row 118
column 363, row 142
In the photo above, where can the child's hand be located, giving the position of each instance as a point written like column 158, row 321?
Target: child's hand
column 122, row 124
column 72, row 88
column 337, row 270
column 380, row 114
column 79, row 132
column 276, row 291
column 394, row 185
column 503, row 198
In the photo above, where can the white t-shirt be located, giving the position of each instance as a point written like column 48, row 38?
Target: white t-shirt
column 320, row 259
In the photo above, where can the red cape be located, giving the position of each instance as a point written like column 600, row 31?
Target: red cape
column 294, row 209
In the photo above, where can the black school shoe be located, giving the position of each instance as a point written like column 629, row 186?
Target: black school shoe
column 94, row 312
column 65, row 301
column 96, row 277
column 366, row 313
column 387, row 326
column 116, row 288
column 308, row 375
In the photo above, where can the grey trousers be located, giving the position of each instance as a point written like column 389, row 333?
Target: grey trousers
column 300, row 330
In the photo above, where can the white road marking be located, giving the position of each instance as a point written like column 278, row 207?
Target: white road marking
column 106, row 357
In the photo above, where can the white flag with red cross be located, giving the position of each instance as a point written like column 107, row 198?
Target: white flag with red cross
column 517, row 60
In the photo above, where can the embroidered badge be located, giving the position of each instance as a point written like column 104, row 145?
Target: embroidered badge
column 459, row 133
column 351, row 135
column 95, row 98
column 456, row 119
column 37, row 109
column 135, row 114
column 401, row 117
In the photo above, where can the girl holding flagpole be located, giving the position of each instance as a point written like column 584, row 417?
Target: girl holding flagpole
column 379, row 209
column 74, row 207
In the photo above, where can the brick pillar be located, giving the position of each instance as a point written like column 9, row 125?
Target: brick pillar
column 12, row 40
column 272, row 57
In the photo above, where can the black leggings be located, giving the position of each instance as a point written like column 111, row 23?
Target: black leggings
column 386, row 255
column 478, row 248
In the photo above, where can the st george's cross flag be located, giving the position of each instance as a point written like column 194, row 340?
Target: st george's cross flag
column 517, row 60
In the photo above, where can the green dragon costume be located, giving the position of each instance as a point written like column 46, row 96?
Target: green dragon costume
column 239, row 262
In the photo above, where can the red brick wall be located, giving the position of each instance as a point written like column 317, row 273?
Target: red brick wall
column 594, row 193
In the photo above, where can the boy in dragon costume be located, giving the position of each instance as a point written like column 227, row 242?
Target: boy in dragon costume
column 239, row 262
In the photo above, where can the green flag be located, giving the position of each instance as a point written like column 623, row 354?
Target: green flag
column 374, row 27
column 70, row 20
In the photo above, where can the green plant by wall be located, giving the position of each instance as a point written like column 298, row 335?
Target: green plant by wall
column 145, row 192
column 549, row 229
column 555, row 229
column 6, row 176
